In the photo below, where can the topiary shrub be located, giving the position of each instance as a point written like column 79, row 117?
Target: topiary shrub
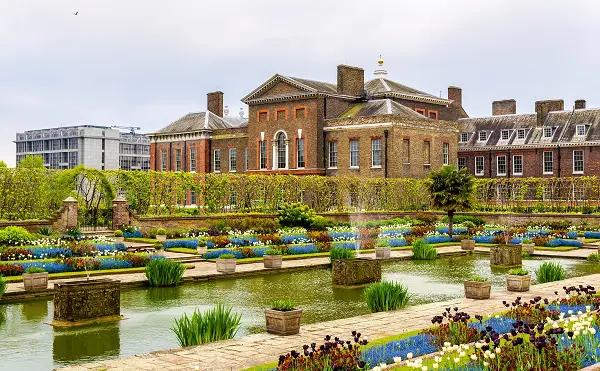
column 118, row 233
column 296, row 215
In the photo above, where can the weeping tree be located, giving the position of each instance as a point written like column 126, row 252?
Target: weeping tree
column 451, row 190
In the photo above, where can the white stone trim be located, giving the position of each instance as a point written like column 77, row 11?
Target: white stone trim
column 386, row 125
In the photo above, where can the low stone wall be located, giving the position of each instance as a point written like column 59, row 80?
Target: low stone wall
column 64, row 219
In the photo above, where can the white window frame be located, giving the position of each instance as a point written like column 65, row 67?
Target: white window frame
column 178, row 159
column 482, row 172
column 163, row 159
column 498, row 173
column 217, row 160
column 577, row 130
column 299, row 152
column 232, row 160
column 582, row 162
column 192, row 160
column 464, row 137
column 507, row 132
column 351, row 151
column 446, row 153
column 519, row 131
column 544, row 162
column 545, row 130
column 459, row 160
column 515, row 172
column 378, row 155
column 332, row 154
column 246, row 159
column 485, row 133
column 262, row 153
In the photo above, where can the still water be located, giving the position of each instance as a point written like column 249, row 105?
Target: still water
column 29, row 344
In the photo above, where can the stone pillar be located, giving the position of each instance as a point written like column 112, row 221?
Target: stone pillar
column 71, row 209
column 120, row 208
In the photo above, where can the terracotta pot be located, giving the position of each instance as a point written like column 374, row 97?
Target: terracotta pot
column 35, row 281
column 477, row 290
column 226, row 265
column 528, row 247
column 272, row 261
column 468, row 245
column 383, row 252
column 161, row 238
column 518, row 283
column 283, row 323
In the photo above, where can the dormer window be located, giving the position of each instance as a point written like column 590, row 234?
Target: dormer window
column 504, row 134
column 580, row 130
column 482, row 136
column 464, row 137
column 521, row 134
column 548, row 130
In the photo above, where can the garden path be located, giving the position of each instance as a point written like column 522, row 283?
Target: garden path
column 252, row 350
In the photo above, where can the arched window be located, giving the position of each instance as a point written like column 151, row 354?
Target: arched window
column 281, row 151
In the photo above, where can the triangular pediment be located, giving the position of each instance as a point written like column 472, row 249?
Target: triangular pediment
column 276, row 86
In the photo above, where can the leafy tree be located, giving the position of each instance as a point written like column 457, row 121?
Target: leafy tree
column 31, row 162
column 451, row 190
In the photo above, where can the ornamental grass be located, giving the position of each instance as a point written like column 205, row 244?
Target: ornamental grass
column 163, row 272
column 550, row 272
column 423, row 251
column 204, row 327
column 338, row 253
column 385, row 296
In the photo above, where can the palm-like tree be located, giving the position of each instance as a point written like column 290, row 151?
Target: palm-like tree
column 451, row 190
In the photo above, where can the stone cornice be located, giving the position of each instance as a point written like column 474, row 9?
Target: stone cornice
column 174, row 137
column 414, row 97
column 528, row 146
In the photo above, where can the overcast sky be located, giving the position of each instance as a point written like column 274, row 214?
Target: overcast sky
column 148, row 62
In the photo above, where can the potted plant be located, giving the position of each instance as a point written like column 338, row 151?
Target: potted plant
column 119, row 236
column 158, row 249
column 382, row 251
column 468, row 243
column 477, row 287
column 202, row 249
column 226, row 263
column 272, row 258
column 161, row 234
column 35, row 279
column 518, row 279
column 528, row 246
column 283, row 318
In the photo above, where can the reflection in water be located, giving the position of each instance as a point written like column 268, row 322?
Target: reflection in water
column 35, row 310
column 86, row 344
column 150, row 312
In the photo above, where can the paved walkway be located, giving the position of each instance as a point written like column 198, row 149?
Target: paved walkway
column 253, row 350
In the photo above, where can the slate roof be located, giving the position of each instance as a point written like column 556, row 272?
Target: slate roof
column 382, row 87
column 318, row 86
column 202, row 121
column 382, row 107
column 563, row 124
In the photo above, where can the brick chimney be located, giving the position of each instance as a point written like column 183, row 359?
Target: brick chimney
column 214, row 102
column 504, row 107
column 455, row 95
column 543, row 107
column 350, row 80
column 580, row 104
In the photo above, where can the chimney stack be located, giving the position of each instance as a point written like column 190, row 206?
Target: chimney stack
column 350, row 80
column 214, row 102
column 543, row 107
column 580, row 104
column 455, row 95
column 504, row 107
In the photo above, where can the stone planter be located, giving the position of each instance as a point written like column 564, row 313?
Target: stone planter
column 201, row 250
column 272, row 261
column 355, row 272
column 226, row 265
column 477, row 290
column 528, row 247
column 383, row 252
column 160, row 252
column 283, row 323
column 506, row 256
column 161, row 238
column 35, row 281
column 581, row 240
column 518, row 283
column 468, row 245
column 86, row 301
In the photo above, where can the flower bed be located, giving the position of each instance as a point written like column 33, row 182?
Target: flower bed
column 75, row 249
column 186, row 244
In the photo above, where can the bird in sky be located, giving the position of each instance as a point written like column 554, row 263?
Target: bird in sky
column 76, row 13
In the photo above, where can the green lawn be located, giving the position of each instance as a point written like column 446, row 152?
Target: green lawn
column 182, row 250
column 141, row 240
column 558, row 248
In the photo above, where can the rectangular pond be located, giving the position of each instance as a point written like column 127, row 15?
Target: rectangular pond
column 29, row 344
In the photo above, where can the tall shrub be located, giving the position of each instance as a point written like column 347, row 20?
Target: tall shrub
column 451, row 190
column 204, row 327
column 164, row 272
